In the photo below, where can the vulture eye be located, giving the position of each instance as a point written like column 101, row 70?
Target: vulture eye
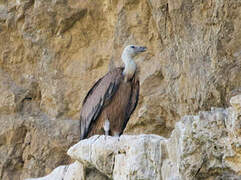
column 133, row 47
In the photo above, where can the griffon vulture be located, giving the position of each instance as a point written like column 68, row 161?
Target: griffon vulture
column 109, row 104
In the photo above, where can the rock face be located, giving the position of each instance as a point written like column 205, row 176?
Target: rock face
column 127, row 157
column 33, row 146
column 205, row 146
column 51, row 53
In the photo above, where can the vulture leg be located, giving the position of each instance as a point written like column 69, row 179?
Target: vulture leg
column 116, row 135
column 106, row 127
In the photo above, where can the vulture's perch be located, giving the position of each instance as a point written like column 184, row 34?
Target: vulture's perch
column 109, row 104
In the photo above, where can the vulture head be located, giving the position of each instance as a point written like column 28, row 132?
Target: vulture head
column 131, row 51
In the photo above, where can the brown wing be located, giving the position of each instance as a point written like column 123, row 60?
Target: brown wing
column 135, row 88
column 97, row 97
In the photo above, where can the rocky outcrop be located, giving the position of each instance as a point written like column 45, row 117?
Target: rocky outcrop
column 34, row 145
column 51, row 53
column 132, row 157
column 205, row 146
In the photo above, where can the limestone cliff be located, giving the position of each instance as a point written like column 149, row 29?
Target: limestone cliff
column 205, row 146
column 51, row 53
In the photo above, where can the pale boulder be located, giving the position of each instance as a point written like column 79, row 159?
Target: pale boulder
column 120, row 158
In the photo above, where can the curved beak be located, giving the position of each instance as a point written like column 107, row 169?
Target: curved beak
column 142, row 49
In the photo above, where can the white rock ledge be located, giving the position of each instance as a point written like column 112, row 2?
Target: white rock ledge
column 138, row 157
column 205, row 146
column 73, row 171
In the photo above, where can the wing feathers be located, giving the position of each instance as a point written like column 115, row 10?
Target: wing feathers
column 101, row 94
column 91, row 91
column 98, row 97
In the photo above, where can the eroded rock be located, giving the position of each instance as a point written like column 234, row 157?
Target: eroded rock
column 39, row 143
column 200, row 147
column 118, row 158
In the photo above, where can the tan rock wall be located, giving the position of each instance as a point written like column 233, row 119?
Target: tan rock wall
column 51, row 53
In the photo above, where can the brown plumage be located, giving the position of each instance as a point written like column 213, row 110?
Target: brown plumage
column 110, row 98
column 109, row 104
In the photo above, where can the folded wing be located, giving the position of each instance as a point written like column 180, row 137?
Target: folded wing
column 97, row 98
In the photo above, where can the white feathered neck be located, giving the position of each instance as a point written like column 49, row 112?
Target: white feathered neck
column 130, row 65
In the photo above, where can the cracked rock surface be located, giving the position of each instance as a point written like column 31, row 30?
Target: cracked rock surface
column 205, row 146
